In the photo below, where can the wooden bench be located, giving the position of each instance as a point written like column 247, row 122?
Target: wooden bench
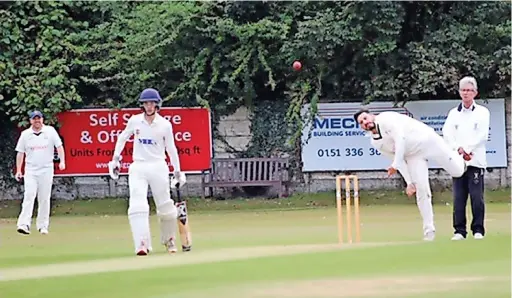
column 235, row 172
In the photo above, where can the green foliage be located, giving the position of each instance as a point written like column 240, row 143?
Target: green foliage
column 270, row 131
column 227, row 54
column 39, row 45
column 37, row 41
column 223, row 55
column 470, row 40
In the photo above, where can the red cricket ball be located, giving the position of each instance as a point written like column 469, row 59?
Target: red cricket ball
column 297, row 65
column 466, row 156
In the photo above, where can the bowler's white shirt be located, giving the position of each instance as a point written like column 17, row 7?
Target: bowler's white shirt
column 400, row 134
column 469, row 129
column 38, row 147
column 150, row 141
column 398, row 137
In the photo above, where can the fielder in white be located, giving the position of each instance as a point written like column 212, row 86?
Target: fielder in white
column 410, row 143
column 153, row 137
column 37, row 144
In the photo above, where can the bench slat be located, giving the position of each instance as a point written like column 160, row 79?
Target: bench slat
column 243, row 170
column 233, row 172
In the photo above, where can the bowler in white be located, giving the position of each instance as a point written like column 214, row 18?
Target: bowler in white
column 410, row 143
column 153, row 137
column 36, row 145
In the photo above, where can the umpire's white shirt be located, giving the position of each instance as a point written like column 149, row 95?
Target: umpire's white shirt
column 38, row 147
column 469, row 129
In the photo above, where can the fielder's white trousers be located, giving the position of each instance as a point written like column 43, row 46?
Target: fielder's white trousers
column 37, row 183
column 154, row 175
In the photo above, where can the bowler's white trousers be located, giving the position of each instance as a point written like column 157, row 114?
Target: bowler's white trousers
column 142, row 174
column 37, row 183
column 436, row 150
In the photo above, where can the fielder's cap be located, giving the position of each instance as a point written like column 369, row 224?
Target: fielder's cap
column 34, row 114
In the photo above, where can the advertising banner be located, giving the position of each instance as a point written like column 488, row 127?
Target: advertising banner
column 333, row 141
column 90, row 135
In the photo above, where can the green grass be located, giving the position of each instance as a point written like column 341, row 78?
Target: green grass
column 443, row 258
column 118, row 206
column 95, row 237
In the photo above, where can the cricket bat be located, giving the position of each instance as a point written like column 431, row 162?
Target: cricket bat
column 183, row 223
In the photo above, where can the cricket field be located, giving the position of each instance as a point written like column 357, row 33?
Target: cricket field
column 260, row 252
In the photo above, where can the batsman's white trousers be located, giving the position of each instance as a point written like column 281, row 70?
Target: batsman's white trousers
column 37, row 183
column 156, row 176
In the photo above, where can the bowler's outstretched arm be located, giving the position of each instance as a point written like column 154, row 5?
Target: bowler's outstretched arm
column 399, row 138
column 397, row 133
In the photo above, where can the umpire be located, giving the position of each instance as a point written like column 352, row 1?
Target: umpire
column 466, row 130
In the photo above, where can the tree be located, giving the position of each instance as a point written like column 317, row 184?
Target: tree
column 224, row 55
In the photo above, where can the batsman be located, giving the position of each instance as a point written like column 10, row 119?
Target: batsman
column 152, row 138
column 410, row 144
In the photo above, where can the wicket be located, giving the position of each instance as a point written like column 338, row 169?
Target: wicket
column 339, row 206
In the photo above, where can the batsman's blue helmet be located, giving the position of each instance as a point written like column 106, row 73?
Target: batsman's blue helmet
column 150, row 94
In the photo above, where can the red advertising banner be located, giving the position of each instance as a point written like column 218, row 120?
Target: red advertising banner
column 90, row 135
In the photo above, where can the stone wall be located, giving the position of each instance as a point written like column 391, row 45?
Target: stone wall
column 235, row 129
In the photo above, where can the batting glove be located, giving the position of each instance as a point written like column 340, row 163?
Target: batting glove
column 180, row 178
column 114, row 167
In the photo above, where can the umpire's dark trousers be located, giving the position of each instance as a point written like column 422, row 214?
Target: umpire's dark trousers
column 472, row 184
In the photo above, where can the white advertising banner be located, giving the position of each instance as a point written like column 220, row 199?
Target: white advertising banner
column 333, row 141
